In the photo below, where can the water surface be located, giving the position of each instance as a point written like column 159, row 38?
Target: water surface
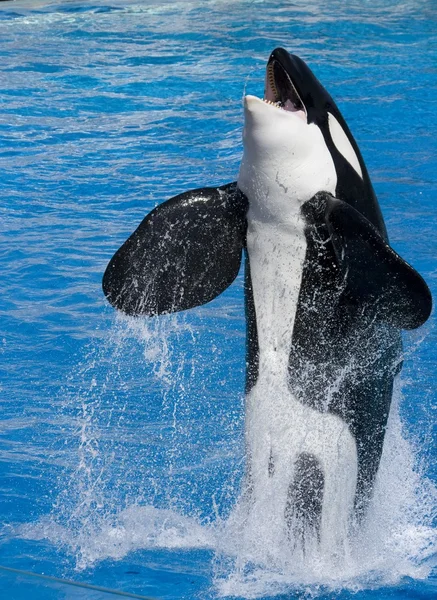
column 121, row 442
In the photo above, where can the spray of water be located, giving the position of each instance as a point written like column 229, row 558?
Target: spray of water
column 396, row 540
column 124, row 495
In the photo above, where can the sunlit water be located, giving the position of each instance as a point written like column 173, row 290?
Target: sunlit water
column 122, row 441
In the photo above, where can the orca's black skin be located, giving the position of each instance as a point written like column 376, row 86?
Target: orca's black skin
column 346, row 338
column 356, row 293
column 184, row 253
column 303, row 511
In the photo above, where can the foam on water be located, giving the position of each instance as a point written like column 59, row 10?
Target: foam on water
column 93, row 521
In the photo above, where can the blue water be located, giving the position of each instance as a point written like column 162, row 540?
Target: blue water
column 121, row 442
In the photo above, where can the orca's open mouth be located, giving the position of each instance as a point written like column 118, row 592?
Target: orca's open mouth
column 280, row 90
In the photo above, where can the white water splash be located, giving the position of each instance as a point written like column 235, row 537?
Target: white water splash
column 396, row 541
column 135, row 528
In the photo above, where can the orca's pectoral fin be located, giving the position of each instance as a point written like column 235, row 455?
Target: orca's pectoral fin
column 375, row 272
column 184, row 253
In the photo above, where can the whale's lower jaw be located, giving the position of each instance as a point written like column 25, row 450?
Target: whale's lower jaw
column 301, row 469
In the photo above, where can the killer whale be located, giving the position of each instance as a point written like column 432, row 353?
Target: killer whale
column 326, row 298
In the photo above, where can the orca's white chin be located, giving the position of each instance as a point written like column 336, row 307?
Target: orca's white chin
column 285, row 160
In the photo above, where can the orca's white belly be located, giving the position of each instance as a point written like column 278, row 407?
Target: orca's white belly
column 279, row 428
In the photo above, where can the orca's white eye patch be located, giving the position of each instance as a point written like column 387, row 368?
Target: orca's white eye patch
column 343, row 144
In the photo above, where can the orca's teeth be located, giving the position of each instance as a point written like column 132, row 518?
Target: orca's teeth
column 271, row 79
column 280, row 89
column 275, row 104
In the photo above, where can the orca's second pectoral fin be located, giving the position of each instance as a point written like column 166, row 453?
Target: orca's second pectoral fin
column 374, row 272
column 184, row 253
